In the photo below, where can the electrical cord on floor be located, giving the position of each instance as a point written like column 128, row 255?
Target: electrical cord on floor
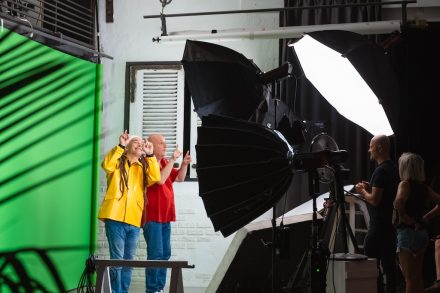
column 85, row 284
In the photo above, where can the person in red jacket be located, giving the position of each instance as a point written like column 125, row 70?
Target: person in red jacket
column 160, row 211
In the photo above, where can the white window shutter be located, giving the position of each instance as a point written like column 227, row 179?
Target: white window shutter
column 158, row 105
column 195, row 122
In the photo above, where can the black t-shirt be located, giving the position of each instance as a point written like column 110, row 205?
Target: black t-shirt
column 385, row 176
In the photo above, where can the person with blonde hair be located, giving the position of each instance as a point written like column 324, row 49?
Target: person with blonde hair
column 412, row 206
column 130, row 167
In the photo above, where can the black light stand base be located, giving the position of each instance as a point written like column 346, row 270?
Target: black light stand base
column 348, row 256
column 318, row 269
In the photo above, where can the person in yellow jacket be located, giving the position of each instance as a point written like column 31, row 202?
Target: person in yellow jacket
column 130, row 168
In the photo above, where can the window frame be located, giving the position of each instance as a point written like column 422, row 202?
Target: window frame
column 188, row 119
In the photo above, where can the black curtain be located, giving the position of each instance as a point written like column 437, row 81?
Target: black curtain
column 416, row 57
column 307, row 104
column 316, row 16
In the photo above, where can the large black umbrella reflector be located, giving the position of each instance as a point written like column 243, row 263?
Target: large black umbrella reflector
column 354, row 74
column 243, row 169
column 221, row 81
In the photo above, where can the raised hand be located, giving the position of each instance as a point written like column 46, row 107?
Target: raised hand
column 123, row 138
column 176, row 153
column 147, row 146
column 187, row 159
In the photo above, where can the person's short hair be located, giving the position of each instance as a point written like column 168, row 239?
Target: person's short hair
column 411, row 167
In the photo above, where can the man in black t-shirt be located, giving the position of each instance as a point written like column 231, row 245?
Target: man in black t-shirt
column 379, row 193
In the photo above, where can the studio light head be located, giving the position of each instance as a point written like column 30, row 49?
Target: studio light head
column 352, row 74
column 244, row 168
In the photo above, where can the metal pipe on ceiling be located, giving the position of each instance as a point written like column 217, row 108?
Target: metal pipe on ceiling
column 284, row 9
column 364, row 28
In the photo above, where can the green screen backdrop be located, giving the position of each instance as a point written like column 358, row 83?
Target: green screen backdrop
column 49, row 131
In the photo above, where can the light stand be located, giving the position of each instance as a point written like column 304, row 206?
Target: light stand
column 274, row 214
column 318, row 254
column 274, row 249
column 340, row 203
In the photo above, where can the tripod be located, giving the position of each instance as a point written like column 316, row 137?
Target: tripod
column 314, row 260
column 313, row 263
column 340, row 203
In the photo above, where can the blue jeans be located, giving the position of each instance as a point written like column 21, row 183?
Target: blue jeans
column 157, row 235
column 411, row 240
column 122, row 239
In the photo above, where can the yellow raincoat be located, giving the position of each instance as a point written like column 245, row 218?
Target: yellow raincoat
column 126, row 207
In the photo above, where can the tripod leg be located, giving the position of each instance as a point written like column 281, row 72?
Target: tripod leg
column 352, row 238
column 301, row 270
column 327, row 228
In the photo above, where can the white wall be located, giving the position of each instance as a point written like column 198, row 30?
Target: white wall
column 129, row 39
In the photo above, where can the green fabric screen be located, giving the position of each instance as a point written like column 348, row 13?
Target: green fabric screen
column 50, row 105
